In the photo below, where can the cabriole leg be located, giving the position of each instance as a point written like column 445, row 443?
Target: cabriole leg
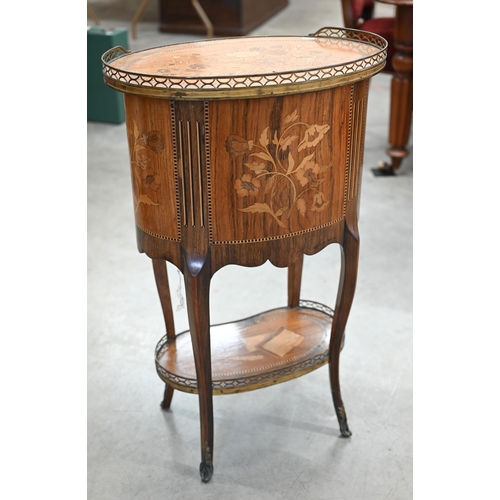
column 345, row 295
column 167, row 397
column 162, row 285
column 197, row 295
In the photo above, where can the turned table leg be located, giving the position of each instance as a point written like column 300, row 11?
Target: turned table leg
column 401, row 87
column 345, row 295
column 162, row 285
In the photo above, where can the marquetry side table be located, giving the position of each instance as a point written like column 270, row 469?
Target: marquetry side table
column 244, row 150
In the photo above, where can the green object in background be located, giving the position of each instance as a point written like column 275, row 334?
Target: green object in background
column 103, row 103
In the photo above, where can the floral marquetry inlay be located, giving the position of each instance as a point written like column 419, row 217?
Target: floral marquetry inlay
column 146, row 178
column 276, row 178
column 152, row 167
column 280, row 169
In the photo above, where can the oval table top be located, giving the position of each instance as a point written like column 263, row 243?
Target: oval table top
column 246, row 66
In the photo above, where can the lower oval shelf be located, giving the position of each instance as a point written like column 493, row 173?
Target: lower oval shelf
column 266, row 349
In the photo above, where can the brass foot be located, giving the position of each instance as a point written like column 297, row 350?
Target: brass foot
column 344, row 430
column 342, row 418
column 206, row 471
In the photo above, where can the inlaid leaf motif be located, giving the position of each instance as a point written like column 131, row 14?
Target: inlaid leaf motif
column 147, row 200
column 264, row 141
column 276, row 141
column 262, row 208
column 313, row 135
column 257, row 167
column 285, row 142
column 258, row 207
column 264, row 156
column 291, row 118
column 305, row 160
column 281, row 211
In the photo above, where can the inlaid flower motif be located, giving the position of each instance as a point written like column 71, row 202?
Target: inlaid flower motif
column 155, row 141
column 319, row 202
column 141, row 160
column 247, row 185
column 308, row 174
column 150, row 180
column 146, row 181
column 282, row 199
column 313, row 135
column 238, row 146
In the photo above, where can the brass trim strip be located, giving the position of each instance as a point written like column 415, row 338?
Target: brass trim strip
column 219, row 94
column 253, row 85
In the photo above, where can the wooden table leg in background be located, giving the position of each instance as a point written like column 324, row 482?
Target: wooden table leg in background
column 401, row 89
column 199, row 10
column 161, row 277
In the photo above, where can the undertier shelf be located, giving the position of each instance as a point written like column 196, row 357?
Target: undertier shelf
column 260, row 351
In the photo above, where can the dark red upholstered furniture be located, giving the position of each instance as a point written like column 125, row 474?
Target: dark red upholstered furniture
column 358, row 14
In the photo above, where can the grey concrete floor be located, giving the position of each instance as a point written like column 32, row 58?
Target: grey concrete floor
column 281, row 442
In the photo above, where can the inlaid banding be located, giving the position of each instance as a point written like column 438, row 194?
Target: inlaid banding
column 181, row 170
column 190, row 170
column 355, row 160
column 200, row 171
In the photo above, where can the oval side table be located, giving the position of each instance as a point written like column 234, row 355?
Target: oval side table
column 244, row 150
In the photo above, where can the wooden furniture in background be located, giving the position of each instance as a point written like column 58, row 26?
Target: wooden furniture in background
column 229, row 17
column 92, row 14
column 398, row 31
column 359, row 14
column 209, row 29
column 400, row 117
column 245, row 150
